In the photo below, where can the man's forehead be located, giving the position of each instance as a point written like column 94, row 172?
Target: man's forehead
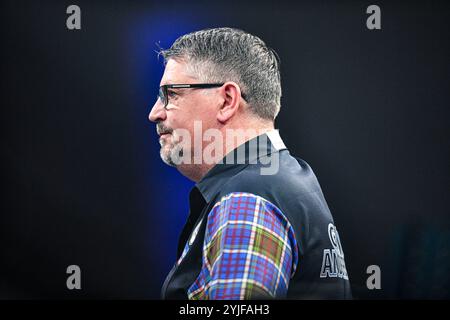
column 176, row 72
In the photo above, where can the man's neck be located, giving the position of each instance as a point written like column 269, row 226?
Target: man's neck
column 232, row 140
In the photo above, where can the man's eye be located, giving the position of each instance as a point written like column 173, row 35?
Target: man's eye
column 171, row 93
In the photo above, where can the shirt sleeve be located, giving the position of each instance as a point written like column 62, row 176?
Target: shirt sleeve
column 249, row 251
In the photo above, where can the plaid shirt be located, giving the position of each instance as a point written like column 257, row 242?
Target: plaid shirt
column 246, row 231
column 249, row 251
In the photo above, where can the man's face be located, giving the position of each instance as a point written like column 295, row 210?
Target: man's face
column 185, row 106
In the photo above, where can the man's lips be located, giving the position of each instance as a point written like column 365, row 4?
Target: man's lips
column 162, row 130
column 164, row 134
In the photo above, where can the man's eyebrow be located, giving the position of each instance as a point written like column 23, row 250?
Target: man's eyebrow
column 177, row 91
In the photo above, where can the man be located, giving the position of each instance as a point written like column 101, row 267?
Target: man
column 259, row 226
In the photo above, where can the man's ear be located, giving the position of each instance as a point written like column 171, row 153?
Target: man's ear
column 231, row 94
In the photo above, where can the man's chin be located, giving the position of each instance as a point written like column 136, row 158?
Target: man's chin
column 171, row 156
column 166, row 157
column 164, row 140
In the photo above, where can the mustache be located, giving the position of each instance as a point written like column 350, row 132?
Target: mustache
column 161, row 129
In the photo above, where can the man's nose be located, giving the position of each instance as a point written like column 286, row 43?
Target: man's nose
column 158, row 113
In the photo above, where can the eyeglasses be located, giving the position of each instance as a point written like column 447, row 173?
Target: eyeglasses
column 163, row 93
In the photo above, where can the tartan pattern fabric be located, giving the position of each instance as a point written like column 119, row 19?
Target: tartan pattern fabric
column 249, row 251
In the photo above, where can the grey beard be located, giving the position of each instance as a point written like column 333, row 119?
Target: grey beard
column 174, row 157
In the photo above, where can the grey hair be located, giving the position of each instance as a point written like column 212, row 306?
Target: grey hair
column 228, row 54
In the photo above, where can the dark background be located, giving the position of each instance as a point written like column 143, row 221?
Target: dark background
column 83, row 183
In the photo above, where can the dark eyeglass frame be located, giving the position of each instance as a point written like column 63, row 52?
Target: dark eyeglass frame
column 163, row 93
